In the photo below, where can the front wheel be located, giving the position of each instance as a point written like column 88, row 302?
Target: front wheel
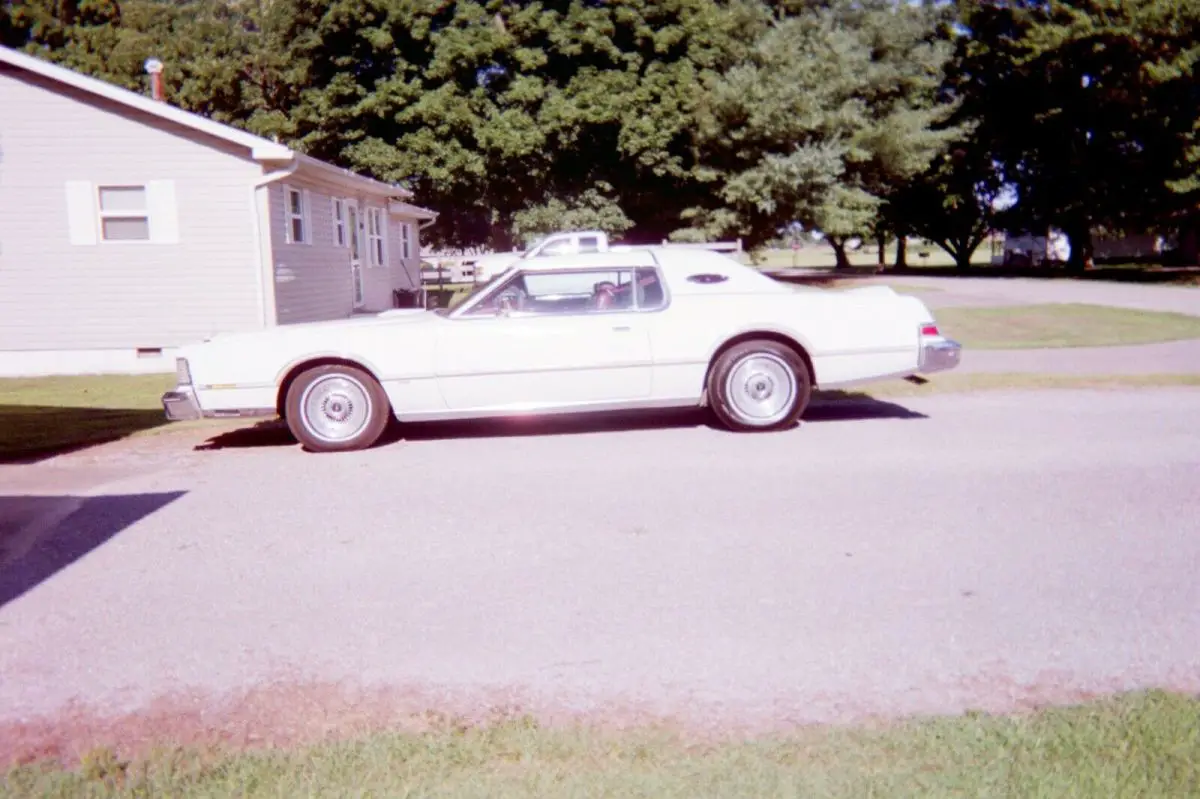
column 336, row 408
column 759, row 385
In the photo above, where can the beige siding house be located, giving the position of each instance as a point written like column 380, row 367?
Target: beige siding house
column 129, row 227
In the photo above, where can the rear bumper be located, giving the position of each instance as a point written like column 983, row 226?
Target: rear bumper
column 939, row 356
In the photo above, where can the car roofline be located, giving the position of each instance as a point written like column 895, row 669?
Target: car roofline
column 640, row 256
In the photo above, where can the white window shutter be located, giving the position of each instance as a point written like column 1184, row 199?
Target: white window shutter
column 383, row 235
column 164, row 211
column 306, row 206
column 287, row 214
column 82, row 216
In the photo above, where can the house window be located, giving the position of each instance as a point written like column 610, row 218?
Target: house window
column 295, row 214
column 339, row 222
column 124, row 213
column 375, row 236
column 406, row 239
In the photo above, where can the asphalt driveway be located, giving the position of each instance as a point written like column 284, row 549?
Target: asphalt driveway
column 943, row 553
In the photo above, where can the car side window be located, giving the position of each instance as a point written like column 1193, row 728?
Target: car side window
column 562, row 292
column 589, row 244
column 579, row 291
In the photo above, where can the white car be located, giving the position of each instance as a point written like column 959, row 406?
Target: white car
column 646, row 328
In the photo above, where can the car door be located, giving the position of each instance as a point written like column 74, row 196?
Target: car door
column 556, row 344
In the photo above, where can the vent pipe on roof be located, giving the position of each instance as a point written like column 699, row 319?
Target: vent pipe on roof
column 155, row 68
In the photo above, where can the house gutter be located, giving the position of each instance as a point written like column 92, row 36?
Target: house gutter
column 260, row 205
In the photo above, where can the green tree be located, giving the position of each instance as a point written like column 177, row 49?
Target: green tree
column 236, row 61
column 490, row 110
column 837, row 105
column 1093, row 110
column 952, row 204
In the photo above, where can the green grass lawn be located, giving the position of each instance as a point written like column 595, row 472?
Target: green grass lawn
column 1062, row 325
column 1137, row 745
column 45, row 415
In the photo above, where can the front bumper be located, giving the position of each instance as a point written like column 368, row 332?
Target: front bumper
column 181, row 404
column 939, row 356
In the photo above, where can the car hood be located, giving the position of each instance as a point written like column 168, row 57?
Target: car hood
column 328, row 329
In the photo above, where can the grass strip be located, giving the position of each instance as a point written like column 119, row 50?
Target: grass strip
column 1062, row 325
column 1135, row 745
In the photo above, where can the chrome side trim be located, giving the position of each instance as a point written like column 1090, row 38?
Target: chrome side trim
column 534, row 409
column 221, row 386
column 647, row 364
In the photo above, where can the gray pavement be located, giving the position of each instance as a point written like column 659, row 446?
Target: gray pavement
column 933, row 555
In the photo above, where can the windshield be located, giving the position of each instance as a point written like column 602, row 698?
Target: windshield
column 470, row 295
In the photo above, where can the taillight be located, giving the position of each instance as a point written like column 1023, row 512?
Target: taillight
column 929, row 330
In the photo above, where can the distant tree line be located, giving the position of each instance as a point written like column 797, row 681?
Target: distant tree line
column 695, row 119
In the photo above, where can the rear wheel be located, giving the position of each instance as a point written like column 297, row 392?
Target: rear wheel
column 336, row 408
column 759, row 385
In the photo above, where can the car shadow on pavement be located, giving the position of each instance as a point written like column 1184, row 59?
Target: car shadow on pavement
column 853, row 406
column 827, row 406
column 41, row 535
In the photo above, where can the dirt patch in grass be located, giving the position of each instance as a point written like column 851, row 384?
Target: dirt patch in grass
column 1140, row 744
column 1063, row 325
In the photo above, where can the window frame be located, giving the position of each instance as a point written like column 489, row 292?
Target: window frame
column 465, row 310
column 340, row 223
column 290, row 217
column 102, row 215
column 406, row 240
column 375, row 219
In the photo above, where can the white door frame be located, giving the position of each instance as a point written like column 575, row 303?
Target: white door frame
column 358, row 287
